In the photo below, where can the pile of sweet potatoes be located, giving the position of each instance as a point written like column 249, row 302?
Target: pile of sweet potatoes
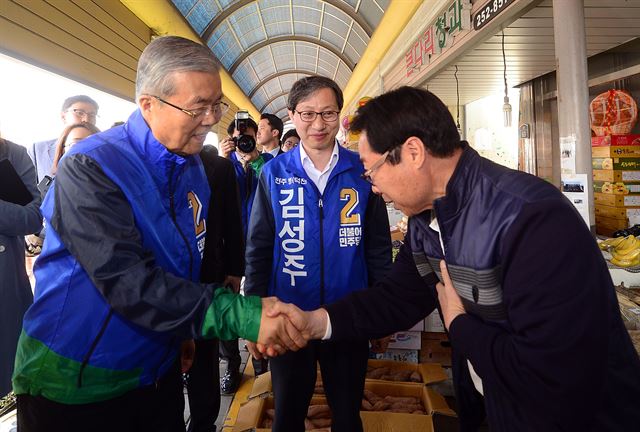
column 318, row 418
column 389, row 374
column 396, row 404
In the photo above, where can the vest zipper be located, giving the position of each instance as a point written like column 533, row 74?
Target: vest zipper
column 321, row 207
column 94, row 344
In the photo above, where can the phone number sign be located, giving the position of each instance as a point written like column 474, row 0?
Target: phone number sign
column 488, row 12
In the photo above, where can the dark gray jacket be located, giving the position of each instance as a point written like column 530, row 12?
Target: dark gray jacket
column 16, row 221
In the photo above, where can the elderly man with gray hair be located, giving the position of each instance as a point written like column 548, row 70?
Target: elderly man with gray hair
column 116, row 284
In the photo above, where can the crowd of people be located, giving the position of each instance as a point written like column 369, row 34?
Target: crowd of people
column 160, row 254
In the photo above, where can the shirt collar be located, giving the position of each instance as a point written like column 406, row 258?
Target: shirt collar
column 306, row 160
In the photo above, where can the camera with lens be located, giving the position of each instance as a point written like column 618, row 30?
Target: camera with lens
column 244, row 143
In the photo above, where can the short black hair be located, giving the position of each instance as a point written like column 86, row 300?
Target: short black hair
column 390, row 119
column 251, row 124
column 79, row 98
column 289, row 134
column 274, row 121
column 306, row 86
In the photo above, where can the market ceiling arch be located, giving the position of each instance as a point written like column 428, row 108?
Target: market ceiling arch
column 264, row 44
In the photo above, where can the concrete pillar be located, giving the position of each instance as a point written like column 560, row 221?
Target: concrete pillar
column 573, row 88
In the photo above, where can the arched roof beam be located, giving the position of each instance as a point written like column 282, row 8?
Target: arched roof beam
column 289, row 38
column 272, row 98
column 223, row 15
column 276, row 75
column 228, row 11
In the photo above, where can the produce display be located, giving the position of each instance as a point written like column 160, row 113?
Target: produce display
column 625, row 251
column 396, row 404
column 390, row 374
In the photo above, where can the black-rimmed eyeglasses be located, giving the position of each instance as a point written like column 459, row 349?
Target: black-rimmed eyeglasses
column 309, row 116
column 367, row 174
column 217, row 109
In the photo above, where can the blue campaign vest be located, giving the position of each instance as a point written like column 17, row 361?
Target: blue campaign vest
column 318, row 252
column 69, row 313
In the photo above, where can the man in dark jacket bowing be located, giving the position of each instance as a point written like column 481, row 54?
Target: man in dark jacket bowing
column 538, row 341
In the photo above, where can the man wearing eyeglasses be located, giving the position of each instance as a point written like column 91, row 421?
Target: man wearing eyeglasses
column 537, row 338
column 75, row 109
column 117, row 282
column 316, row 233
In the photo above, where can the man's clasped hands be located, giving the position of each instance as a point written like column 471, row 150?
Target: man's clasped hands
column 285, row 327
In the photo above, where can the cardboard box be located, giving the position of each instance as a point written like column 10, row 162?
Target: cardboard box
column 429, row 372
column 436, row 348
column 397, row 235
column 433, row 323
column 611, row 175
column 616, row 151
column 405, row 340
column 399, row 355
column 613, row 200
column 616, row 163
column 433, row 403
column 617, row 188
column 252, row 414
column 615, row 140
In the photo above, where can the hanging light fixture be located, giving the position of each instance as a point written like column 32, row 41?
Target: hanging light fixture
column 455, row 75
column 506, row 108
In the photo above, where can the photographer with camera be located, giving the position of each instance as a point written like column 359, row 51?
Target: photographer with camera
column 240, row 148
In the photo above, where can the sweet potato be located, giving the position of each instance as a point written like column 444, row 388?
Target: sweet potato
column 371, row 396
column 376, row 373
column 406, row 400
column 381, row 405
column 404, row 406
column 319, row 412
column 401, row 375
column 321, row 422
column 366, row 405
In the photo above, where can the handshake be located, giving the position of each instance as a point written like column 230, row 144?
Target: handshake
column 283, row 327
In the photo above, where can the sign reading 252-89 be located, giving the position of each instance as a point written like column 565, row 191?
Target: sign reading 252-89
column 488, row 12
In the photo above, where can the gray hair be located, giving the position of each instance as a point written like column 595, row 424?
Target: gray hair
column 167, row 55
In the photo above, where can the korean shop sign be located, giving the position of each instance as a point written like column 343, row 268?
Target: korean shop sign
column 439, row 35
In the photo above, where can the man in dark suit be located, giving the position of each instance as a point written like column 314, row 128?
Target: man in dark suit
column 75, row 109
column 223, row 262
column 269, row 132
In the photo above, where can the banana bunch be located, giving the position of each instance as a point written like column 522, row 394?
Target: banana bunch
column 626, row 252
column 609, row 243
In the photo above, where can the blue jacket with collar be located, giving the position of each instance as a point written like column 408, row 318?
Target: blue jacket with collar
column 542, row 326
column 309, row 248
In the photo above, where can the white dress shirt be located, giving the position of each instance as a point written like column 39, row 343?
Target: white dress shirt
column 319, row 178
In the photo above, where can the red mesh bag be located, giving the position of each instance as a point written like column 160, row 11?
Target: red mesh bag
column 613, row 112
